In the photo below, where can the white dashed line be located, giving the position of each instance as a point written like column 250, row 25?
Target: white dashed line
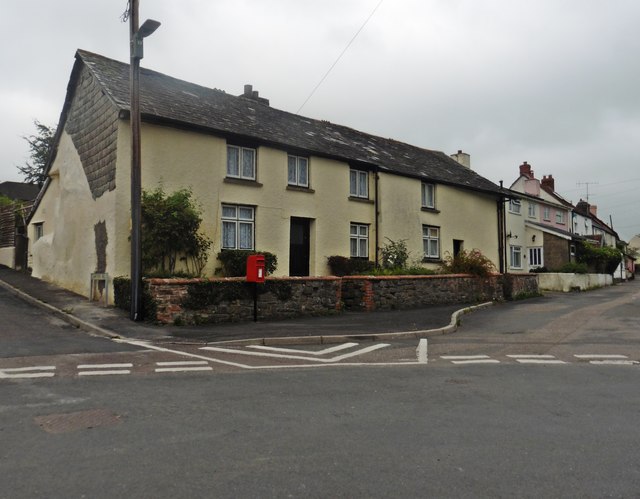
column 531, row 356
column 600, row 356
column 540, row 361
column 104, row 373
column 614, row 362
column 104, row 366
column 182, row 369
column 476, row 361
column 463, row 357
column 27, row 372
column 183, row 363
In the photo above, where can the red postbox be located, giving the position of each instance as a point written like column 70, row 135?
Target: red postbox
column 256, row 268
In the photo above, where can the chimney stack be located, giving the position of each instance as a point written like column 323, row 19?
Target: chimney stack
column 463, row 158
column 525, row 169
column 250, row 93
column 548, row 183
column 593, row 209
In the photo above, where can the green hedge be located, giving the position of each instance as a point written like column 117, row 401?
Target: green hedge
column 341, row 265
column 122, row 297
column 234, row 262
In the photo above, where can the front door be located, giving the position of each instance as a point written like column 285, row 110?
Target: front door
column 299, row 247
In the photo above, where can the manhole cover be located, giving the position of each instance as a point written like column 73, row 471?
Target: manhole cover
column 74, row 421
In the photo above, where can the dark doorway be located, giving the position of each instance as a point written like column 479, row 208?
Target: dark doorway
column 22, row 249
column 458, row 246
column 299, row 247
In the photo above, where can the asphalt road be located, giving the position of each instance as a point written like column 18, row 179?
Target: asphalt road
column 476, row 431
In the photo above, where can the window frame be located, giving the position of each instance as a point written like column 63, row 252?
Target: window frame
column 424, row 192
column 546, row 214
column 38, row 231
column 355, row 187
column 241, row 150
column 560, row 217
column 238, row 222
column 297, row 159
column 531, row 210
column 427, row 239
column 356, row 234
column 513, row 203
column 539, row 258
column 513, row 250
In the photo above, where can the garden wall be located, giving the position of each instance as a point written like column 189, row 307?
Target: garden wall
column 555, row 281
column 201, row 301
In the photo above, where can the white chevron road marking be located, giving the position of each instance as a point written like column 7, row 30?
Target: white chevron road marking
column 326, row 351
column 338, row 358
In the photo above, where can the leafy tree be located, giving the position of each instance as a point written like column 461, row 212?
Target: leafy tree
column 170, row 225
column 40, row 145
column 5, row 201
column 394, row 254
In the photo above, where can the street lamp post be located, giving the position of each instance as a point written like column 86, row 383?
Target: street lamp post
column 136, row 36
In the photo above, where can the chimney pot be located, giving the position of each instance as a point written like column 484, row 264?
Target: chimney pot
column 463, row 158
column 548, row 183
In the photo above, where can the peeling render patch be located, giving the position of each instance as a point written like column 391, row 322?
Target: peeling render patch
column 100, row 230
column 93, row 127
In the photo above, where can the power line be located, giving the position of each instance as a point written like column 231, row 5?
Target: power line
column 340, row 56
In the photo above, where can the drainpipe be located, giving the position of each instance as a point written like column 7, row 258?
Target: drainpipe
column 377, row 214
column 501, row 231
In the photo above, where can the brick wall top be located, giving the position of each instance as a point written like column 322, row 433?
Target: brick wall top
column 401, row 277
column 156, row 281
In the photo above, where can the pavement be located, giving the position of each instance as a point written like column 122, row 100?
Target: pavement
column 111, row 322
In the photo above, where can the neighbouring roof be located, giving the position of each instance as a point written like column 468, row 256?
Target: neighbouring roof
column 564, row 234
column 171, row 100
column 19, row 191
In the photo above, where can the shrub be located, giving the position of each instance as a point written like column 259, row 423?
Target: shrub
column 413, row 270
column 234, row 262
column 341, row 265
column 574, row 268
column 468, row 262
column 122, row 297
column 602, row 260
column 394, row 254
column 170, row 225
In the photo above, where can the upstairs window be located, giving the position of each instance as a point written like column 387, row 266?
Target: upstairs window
column 238, row 223
column 546, row 214
column 559, row 217
column 428, row 196
column 358, row 184
column 514, row 206
column 241, row 162
column 298, row 171
column 532, row 210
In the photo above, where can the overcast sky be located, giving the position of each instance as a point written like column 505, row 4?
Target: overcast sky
column 552, row 82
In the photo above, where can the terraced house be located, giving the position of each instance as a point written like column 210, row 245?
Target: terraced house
column 266, row 179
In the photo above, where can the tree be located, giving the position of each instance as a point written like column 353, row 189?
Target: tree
column 40, row 145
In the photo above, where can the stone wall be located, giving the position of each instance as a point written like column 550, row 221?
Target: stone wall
column 210, row 301
column 207, row 301
column 401, row 292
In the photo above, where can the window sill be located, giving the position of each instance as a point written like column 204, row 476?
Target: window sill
column 361, row 200
column 431, row 260
column 298, row 188
column 242, row 181
column 429, row 210
column 515, row 213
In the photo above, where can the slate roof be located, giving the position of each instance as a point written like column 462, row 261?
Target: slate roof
column 19, row 190
column 168, row 99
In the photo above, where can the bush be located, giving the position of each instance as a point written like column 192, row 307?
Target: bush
column 574, row 268
column 413, row 270
column 468, row 262
column 234, row 262
column 602, row 260
column 394, row 254
column 170, row 225
column 341, row 265
column 122, row 297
